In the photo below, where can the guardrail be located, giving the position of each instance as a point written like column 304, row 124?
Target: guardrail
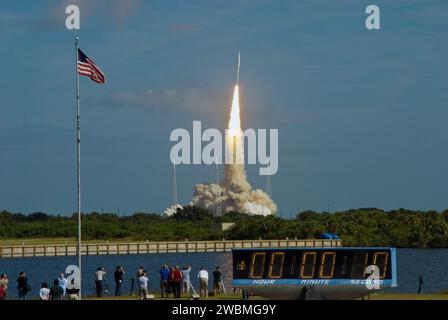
column 107, row 248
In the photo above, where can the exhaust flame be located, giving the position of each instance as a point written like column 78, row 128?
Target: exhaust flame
column 234, row 193
column 234, row 135
column 235, row 120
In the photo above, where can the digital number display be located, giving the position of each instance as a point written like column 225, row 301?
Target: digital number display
column 380, row 260
column 276, row 265
column 327, row 265
column 308, row 264
column 257, row 265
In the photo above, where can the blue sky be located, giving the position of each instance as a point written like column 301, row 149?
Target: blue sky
column 361, row 114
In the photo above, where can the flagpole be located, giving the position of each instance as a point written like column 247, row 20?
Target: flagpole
column 78, row 167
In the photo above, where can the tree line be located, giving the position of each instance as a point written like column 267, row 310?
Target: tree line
column 356, row 227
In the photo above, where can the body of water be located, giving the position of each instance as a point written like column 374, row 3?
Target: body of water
column 431, row 263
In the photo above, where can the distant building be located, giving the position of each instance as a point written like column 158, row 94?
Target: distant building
column 227, row 225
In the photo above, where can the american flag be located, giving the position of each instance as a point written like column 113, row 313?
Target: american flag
column 86, row 67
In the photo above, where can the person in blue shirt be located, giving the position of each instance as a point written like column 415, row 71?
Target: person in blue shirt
column 164, row 274
column 62, row 282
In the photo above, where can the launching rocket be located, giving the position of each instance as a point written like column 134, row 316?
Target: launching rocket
column 234, row 192
column 238, row 68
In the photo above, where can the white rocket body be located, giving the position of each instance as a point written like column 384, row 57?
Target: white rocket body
column 238, row 69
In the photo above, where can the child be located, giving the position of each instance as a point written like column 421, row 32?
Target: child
column 44, row 292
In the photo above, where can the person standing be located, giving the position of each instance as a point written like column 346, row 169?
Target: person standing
column 99, row 281
column 420, row 284
column 171, row 281
column 186, row 279
column 4, row 282
column 2, row 292
column 44, row 292
column 164, row 274
column 73, row 293
column 143, row 285
column 139, row 272
column 56, row 292
column 217, row 281
column 203, row 282
column 22, row 286
column 118, row 275
column 62, row 283
column 177, row 282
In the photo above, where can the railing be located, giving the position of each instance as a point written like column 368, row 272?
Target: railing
column 107, row 248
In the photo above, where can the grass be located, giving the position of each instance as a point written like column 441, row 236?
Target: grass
column 183, row 297
column 375, row 296
column 409, row 296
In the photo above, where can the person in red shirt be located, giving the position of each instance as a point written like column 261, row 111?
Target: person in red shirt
column 171, row 281
column 2, row 292
column 177, row 282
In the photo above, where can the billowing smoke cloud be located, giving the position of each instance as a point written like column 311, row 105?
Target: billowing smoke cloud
column 234, row 193
column 172, row 210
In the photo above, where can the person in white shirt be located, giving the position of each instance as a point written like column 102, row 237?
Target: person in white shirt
column 186, row 279
column 143, row 285
column 99, row 278
column 44, row 292
column 203, row 282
